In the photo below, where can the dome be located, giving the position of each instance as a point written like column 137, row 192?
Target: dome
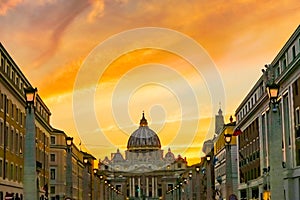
column 117, row 157
column 169, row 156
column 143, row 139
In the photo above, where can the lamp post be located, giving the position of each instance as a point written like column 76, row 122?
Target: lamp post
column 30, row 175
column 218, row 190
column 102, row 187
column 209, row 193
column 87, row 163
column 196, row 194
column 69, row 174
column 275, row 143
column 229, row 184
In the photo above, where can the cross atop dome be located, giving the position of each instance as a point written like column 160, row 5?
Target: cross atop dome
column 143, row 121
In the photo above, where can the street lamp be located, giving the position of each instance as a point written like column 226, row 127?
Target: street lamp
column 30, row 93
column 30, row 176
column 229, row 184
column 69, row 141
column 273, row 91
column 190, row 174
column 208, row 158
column 227, row 138
column 69, row 182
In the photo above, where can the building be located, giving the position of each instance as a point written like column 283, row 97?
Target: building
column 74, row 173
column 12, row 131
column 51, row 148
column 144, row 172
column 270, row 156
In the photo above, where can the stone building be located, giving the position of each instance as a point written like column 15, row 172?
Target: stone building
column 145, row 172
column 269, row 158
column 12, row 131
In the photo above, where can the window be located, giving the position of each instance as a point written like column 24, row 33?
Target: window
column 6, row 169
column 52, row 140
column 278, row 71
column 2, row 62
column 52, row 174
column 6, row 137
column 17, row 143
column 16, row 173
column 20, row 174
column 286, row 117
column 21, row 118
column 1, row 133
column 11, row 140
column 283, row 64
column 178, row 165
column 52, row 189
column 1, row 101
column 12, row 110
column 11, row 175
column 297, row 122
column 17, row 115
column 297, row 116
column 293, row 52
column 21, row 144
column 1, row 168
column 52, row 157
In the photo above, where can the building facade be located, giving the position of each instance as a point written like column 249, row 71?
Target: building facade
column 259, row 165
column 51, row 149
column 144, row 173
column 12, row 131
column 79, row 173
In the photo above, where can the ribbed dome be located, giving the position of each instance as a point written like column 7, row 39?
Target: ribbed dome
column 143, row 139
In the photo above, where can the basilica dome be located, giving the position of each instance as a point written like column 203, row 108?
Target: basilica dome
column 143, row 139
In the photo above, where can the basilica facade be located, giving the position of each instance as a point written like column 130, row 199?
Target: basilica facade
column 145, row 172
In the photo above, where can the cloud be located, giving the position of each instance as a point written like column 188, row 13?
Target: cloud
column 61, row 81
column 61, row 17
column 97, row 10
column 6, row 5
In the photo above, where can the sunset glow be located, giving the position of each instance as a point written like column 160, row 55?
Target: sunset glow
column 52, row 40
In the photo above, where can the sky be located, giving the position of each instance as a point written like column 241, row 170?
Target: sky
column 99, row 64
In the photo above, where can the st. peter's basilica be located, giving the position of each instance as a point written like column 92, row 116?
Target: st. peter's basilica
column 145, row 172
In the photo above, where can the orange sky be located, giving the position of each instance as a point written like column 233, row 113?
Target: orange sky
column 53, row 40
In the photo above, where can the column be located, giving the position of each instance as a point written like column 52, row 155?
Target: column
column 69, row 173
column 130, row 187
column 275, row 142
column 133, row 187
column 228, row 163
column 153, row 187
column 209, row 193
column 30, row 175
column 147, row 186
column 139, row 186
